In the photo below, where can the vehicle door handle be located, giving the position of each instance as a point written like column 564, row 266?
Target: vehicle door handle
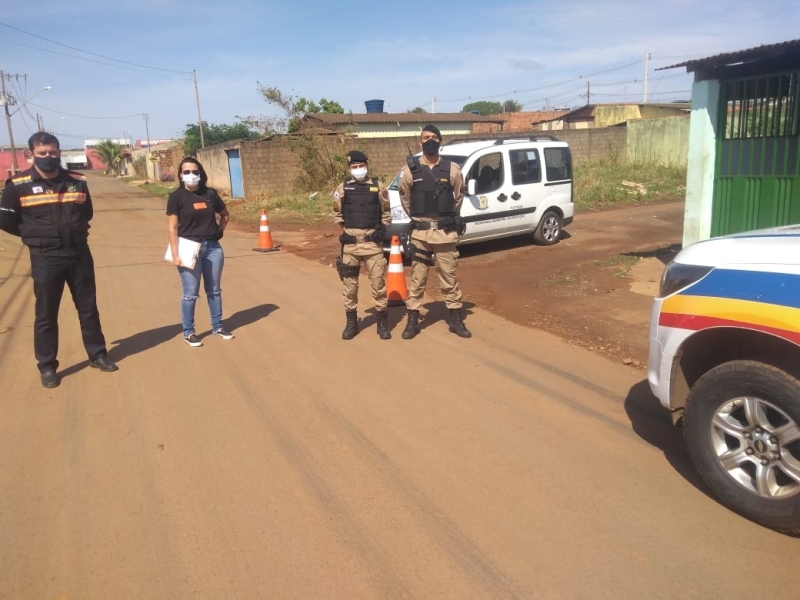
column 516, row 195
column 502, row 197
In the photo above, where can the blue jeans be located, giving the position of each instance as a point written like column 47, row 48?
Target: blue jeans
column 209, row 263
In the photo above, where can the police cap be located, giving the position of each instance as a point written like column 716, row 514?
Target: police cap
column 354, row 156
column 433, row 129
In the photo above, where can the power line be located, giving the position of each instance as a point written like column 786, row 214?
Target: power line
column 125, row 62
column 99, row 62
column 84, row 116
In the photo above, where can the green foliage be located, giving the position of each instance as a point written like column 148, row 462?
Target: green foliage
column 484, row 107
column 321, row 168
column 216, row 134
column 284, row 208
column 511, row 106
column 158, row 189
column 417, row 109
column 110, row 153
column 598, row 184
column 294, row 109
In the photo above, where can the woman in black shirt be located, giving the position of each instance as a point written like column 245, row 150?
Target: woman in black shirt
column 192, row 210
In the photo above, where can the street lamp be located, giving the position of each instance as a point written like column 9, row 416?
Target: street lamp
column 6, row 101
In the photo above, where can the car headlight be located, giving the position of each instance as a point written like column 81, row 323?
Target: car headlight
column 678, row 276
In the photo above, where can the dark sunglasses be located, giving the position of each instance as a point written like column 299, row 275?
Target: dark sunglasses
column 194, row 172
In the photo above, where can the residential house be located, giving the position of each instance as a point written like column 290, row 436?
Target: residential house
column 744, row 141
column 608, row 115
column 385, row 125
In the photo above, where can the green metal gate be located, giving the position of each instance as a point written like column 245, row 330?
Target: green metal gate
column 757, row 176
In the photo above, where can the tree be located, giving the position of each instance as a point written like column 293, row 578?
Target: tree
column 110, row 153
column 511, row 106
column 417, row 109
column 294, row 108
column 484, row 107
column 216, row 134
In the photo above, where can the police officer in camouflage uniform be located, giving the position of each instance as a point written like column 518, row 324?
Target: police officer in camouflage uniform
column 431, row 192
column 361, row 207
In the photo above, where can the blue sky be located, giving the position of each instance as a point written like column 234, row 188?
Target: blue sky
column 538, row 53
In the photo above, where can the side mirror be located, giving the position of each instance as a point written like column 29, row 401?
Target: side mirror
column 471, row 187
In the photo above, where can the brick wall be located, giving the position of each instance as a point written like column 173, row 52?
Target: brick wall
column 517, row 121
column 269, row 167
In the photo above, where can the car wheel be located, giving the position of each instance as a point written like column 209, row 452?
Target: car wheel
column 549, row 229
column 741, row 427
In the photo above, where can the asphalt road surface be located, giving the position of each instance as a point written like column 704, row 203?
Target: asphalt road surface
column 287, row 463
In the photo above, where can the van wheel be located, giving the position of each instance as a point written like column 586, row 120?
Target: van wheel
column 549, row 229
column 741, row 427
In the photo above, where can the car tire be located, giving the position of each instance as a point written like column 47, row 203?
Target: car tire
column 548, row 231
column 742, row 428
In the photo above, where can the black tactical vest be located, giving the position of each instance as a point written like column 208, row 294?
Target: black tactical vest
column 433, row 196
column 361, row 205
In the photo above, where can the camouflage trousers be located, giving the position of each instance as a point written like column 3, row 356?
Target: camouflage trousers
column 446, row 261
column 375, row 262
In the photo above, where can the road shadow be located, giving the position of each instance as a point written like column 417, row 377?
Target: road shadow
column 147, row 340
column 653, row 423
column 664, row 254
column 437, row 311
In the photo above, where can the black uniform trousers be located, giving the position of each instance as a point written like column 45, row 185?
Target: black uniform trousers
column 50, row 273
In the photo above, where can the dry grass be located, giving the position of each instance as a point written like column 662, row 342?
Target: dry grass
column 598, row 185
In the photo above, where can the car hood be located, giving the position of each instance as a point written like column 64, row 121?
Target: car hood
column 775, row 246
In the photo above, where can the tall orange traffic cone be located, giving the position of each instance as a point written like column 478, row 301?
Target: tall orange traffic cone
column 396, row 289
column 264, row 236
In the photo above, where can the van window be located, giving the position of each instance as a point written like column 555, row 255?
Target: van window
column 487, row 173
column 559, row 164
column 525, row 166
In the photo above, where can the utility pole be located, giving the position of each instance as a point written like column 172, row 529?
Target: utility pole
column 199, row 118
column 589, row 93
column 433, row 104
column 646, row 58
column 6, row 101
column 39, row 123
column 147, row 130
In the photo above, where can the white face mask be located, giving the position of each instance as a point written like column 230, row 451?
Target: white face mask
column 359, row 173
column 191, row 179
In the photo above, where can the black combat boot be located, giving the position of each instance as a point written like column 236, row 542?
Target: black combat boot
column 351, row 329
column 457, row 324
column 383, row 325
column 412, row 323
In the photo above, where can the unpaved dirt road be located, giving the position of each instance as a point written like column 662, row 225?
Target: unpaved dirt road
column 289, row 464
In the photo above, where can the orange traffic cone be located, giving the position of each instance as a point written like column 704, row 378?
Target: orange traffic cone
column 264, row 236
column 396, row 289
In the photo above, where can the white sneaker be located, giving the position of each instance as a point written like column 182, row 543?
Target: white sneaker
column 193, row 341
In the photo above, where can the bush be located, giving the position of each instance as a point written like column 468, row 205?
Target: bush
column 167, row 176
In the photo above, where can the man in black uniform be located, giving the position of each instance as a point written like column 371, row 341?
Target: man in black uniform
column 50, row 209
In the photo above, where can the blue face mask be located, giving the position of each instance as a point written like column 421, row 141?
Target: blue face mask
column 47, row 164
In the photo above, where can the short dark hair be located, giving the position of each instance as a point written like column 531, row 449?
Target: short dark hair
column 193, row 160
column 42, row 138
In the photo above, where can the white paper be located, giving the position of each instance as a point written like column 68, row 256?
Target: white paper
column 187, row 251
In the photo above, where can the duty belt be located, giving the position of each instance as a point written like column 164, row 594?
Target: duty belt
column 432, row 225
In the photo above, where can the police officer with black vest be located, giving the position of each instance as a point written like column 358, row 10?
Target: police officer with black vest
column 431, row 190
column 50, row 209
column 361, row 207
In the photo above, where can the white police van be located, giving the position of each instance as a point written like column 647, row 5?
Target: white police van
column 513, row 186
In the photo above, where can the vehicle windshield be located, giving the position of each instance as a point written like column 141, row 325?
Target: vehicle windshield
column 459, row 160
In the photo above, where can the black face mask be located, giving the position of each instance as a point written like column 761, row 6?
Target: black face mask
column 47, row 164
column 430, row 147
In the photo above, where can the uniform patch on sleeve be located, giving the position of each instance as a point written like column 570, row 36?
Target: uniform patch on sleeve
column 336, row 206
column 385, row 194
column 385, row 206
column 336, row 194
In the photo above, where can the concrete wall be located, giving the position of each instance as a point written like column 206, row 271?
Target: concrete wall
column 606, row 116
column 168, row 156
column 215, row 162
column 664, row 141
